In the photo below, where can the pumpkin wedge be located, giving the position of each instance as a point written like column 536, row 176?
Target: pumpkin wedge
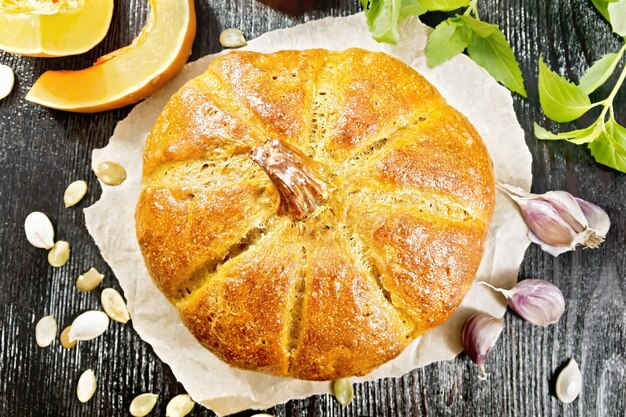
column 44, row 33
column 129, row 74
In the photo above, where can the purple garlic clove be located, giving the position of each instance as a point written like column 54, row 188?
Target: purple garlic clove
column 559, row 222
column 479, row 334
column 535, row 300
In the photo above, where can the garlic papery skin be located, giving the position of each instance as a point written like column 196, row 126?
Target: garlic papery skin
column 569, row 383
column 479, row 335
column 559, row 222
column 535, row 300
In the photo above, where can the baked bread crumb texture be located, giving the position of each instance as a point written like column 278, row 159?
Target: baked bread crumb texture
column 382, row 251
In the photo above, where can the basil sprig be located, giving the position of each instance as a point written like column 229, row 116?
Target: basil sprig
column 564, row 101
column 485, row 43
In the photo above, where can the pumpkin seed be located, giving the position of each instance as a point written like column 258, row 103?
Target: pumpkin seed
column 7, row 79
column 74, row 193
column 179, row 406
column 569, row 383
column 110, row 173
column 45, row 331
column 232, row 38
column 88, row 325
column 59, row 254
column 89, row 280
column 343, row 390
column 262, row 415
column 143, row 404
column 86, row 386
column 114, row 305
column 39, row 230
column 65, row 338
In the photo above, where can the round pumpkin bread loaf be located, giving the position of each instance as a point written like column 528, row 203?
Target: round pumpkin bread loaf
column 310, row 213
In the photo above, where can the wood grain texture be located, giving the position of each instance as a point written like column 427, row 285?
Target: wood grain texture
column 42, row 151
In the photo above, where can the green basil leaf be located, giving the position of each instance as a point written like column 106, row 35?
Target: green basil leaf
column 560, row 100
column 610, row 150
column 598, row 73
column 494, row 54
column 444, row 42
column 411, row 8
column 444, row 5
column 617, row 17
column 585, row 135
column 478, row 27
column 588, row 134
column 617, row 131
column 382, row 19
column 603, row 7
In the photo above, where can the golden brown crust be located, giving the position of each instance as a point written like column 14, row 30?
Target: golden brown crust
column 347, row 285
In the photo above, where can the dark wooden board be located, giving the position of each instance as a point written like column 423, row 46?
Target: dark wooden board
column 42, row 150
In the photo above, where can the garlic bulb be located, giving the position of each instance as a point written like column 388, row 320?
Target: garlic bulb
column 559, row 222
column 479, row 334
column 535, row 300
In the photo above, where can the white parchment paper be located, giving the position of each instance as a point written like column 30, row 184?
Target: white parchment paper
column 226, row 390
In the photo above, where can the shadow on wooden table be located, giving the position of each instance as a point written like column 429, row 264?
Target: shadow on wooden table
column 298, row 7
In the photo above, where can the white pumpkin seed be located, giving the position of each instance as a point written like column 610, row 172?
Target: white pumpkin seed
column 7, row 79
column 569, row 383
column 343, row 390
column 86, row 386
column 59, row 254
column 74, row 193
column 89, row 280
column 262, row 415
column 114, row 305
column 65, row 338
column 232, row 38
column 45, row 331
column 143, row 404
column 88, row 325
column 179, row 406
column 39, row 230
column 110, row 173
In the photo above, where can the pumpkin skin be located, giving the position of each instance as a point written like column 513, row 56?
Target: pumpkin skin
column 385, row 254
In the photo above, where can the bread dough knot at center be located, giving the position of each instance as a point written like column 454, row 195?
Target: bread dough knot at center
column 295, row 176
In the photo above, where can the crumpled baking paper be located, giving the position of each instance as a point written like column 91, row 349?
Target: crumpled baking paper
column 227, row 390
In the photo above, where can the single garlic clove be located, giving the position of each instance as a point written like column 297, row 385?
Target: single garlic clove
column 344, row 391
column 143, row 404
column 59, row 254
column 88, row 325
column 39, row 230
column 232, row 38
column 45, row 331
column 535, row 300
column 7, row 80
column 86, row 386
column 546, row 224
column 114, row 305
column 597, row 218
column 479, row 335
column 74, row 193
column 179, row 406
column 89, row 280
column 567, row 207
column 569, row 383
